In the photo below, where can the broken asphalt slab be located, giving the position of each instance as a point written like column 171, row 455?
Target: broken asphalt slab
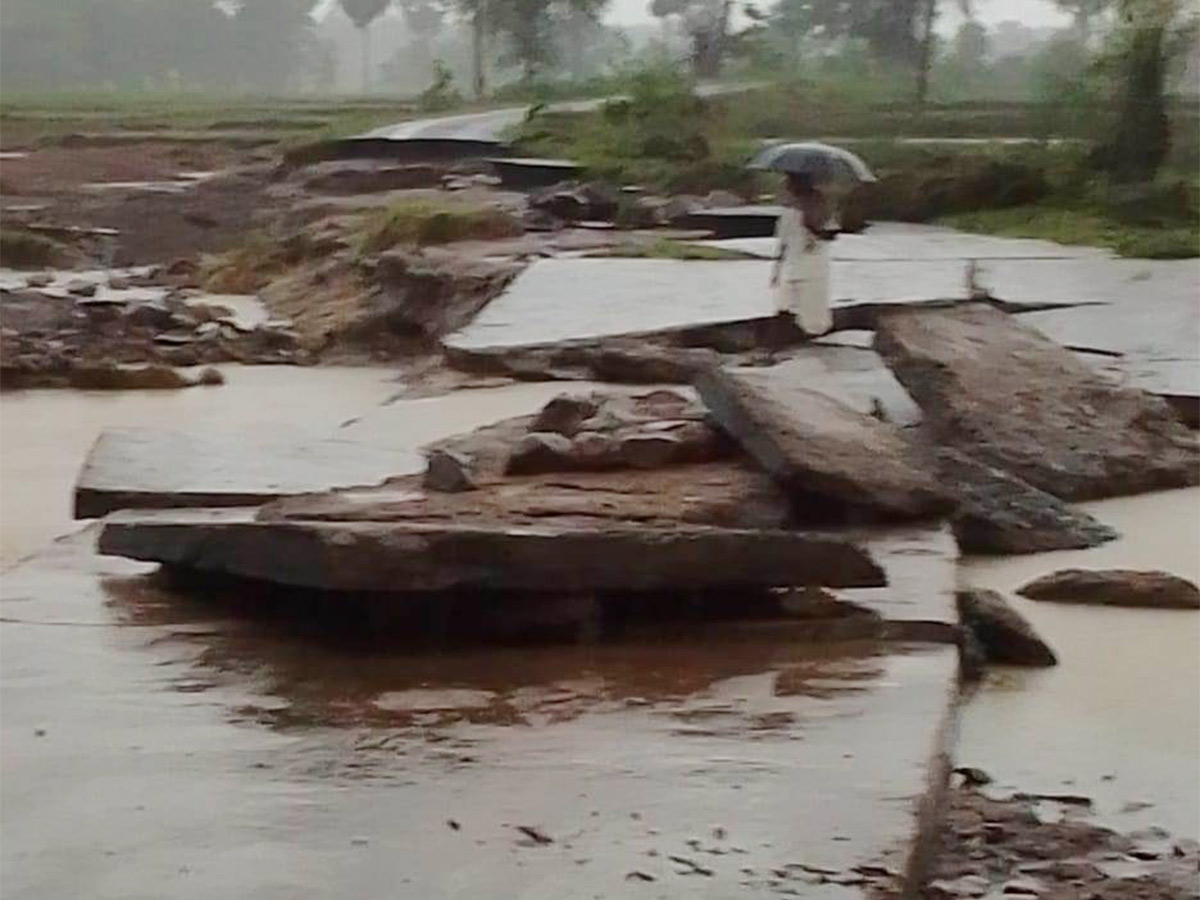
column 816, row 447
column 416, row 556
column 1006, row 395
column 145, row 468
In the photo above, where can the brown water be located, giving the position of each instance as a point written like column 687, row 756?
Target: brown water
column 155, row 746
column 45, row 434
column 1119, row 718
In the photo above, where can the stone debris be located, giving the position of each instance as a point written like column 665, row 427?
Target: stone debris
column 90, row 335
column 999, row 513
column 1006, row 636
column 448, row 471
column 1115, row 587
column 815, row 447
column 1001, row 848
column 1008, row 396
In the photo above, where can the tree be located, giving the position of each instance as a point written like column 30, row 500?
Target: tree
column 1149, row 35
column 362, row 13
column 1084, row 12
column 527, row 25
column 476, row 13
column 424, row 20
column 706, row 24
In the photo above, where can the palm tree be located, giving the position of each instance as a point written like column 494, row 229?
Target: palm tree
column 362, row 13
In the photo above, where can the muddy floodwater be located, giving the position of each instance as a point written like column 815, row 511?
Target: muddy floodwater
column 160, row 746
column 1119, row 718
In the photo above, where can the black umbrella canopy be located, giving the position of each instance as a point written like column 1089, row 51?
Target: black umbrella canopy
column 824, row 163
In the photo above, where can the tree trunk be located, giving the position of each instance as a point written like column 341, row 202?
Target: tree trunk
column 365, row 34
column 478, row 29
column 925, row 57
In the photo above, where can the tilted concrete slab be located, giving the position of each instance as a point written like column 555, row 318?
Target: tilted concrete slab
column 568, row 299
column 816, row 447
column 416, row 556
column 145, row 468
column 559, row 300
column 1005, row 394
column 853, row 374
column 141, row 721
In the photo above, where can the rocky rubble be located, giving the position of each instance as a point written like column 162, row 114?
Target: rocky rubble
column 1115, row 587
column 1005, row 850
column 88, row 338
column 1003, row 633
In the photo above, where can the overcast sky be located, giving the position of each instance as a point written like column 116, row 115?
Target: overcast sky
column 1035, row 13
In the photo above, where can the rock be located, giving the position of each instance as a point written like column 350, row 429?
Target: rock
column 1006, row 636
column 81, row 288
column 448, row 472
column 1115, row 587
column 999, row 513
column 814, row 446
column 648, row 451
column 642, row 212
column 207, row 331
column 973, row 776
column 680, row 207
column 954, row 888
column 39, row 280
column 1011, row 397
column 540, row 451
column 476, row 554
column 1025, row 887
column 210, row 377
column 565, row 414
column 112, row 377
column 573, row 202
column 595, row 451
column 150, row 315
column 718, row 199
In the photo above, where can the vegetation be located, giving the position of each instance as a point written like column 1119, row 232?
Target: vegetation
column 26, row 250
column 1071, row 226
column 424, row 222
column 664, row 248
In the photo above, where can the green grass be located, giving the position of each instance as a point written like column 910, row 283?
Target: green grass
column 1071, row 226
column 28, row 117
column 25, row 250
column 425, row 222
column 665, row 248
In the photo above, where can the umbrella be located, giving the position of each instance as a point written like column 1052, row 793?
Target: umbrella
column 825, row 164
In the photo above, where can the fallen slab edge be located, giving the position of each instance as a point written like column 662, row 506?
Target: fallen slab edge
column 404, row 557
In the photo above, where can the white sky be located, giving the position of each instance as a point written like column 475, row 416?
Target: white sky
column 1035, row 13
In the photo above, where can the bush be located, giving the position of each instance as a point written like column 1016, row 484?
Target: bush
column 424, row 222
column 944, row 185
column 441, row 94
column 26, row 250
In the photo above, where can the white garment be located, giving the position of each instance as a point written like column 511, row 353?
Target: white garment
column 803, row 268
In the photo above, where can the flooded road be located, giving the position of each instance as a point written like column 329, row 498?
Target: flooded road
column 46, row 434
column 1119, row 718
column 159, row 745
column 156, row 745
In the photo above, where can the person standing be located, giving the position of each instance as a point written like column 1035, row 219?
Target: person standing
column 800, row 276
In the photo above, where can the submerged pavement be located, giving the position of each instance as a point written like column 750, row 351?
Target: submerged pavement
column 224, row 757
